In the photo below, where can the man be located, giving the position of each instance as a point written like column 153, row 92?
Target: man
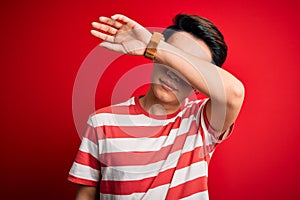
column 158, row 146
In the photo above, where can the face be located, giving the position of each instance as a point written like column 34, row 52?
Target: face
column 168, row 85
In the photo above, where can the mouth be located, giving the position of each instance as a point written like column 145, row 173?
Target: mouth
column 167, row 85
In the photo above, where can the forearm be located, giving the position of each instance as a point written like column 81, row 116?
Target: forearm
column 225, row 91
column 202, row 75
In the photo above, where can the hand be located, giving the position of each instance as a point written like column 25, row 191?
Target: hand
column 121, row 34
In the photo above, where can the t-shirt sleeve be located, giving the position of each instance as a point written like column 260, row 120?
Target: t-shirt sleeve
column 211, row 137
column 86, row 167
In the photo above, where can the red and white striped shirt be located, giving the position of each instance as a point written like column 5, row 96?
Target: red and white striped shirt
column 131, row 154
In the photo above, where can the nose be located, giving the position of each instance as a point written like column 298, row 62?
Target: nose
column 173, row 76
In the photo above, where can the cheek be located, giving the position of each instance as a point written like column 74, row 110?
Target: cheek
column 156, row 73
column 186, row 88
column 156, row 69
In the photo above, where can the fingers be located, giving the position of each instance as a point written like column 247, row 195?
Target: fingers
column 110, row 22
column 102, row 36
column 107, row 27
column 104, row 28
column 125, row 19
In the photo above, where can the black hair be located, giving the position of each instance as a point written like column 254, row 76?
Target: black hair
column 203, row 29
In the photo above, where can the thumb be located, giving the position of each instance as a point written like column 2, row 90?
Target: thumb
column 112, row 46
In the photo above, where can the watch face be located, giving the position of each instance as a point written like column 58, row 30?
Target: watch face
column 150, row 53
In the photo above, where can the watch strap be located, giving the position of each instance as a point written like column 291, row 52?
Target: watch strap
column 151, row 48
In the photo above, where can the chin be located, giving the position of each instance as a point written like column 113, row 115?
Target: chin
column 165, row 96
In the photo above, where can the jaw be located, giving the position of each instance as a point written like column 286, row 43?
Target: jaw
column 156, row 95
column 168, row 101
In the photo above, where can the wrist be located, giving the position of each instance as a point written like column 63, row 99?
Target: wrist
column 151, row 48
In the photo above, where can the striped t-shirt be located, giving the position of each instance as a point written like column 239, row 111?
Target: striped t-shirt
column 131, row 154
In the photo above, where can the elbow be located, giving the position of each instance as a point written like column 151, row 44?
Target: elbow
column 237, row 94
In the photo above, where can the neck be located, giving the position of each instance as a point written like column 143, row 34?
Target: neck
column 155, row 106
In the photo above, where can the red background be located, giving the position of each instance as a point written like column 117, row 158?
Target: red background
column 43, row 44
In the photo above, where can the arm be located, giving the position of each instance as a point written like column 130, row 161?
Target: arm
column 86, row 193
column 225, row 91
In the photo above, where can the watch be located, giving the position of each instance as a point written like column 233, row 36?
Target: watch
column 151, row 48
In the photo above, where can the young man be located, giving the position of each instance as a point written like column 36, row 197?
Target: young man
column 158, row 146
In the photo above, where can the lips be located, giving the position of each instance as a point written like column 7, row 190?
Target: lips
column 168, row 85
